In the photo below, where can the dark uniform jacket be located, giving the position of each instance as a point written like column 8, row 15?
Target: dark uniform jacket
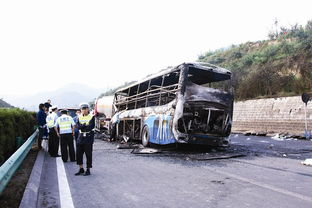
column 89, row 136
column 41, row 118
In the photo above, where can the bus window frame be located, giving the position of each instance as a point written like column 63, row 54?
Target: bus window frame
column 147, row 94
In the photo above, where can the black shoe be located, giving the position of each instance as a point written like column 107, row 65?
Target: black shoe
column 87, row 172
column 56, row 156
column 80, row 172
column 73, row 160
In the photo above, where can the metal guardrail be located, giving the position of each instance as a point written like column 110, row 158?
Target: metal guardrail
column 11, row 165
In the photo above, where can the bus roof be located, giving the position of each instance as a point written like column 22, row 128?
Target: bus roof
column 196, row 65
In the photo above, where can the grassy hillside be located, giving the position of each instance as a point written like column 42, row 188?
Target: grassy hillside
column 279, row 66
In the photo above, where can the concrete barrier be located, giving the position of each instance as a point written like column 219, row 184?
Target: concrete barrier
column 272, row 115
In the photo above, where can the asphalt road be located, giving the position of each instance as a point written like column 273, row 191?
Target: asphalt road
column 258, row 172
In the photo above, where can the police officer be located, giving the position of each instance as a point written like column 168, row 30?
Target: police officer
column 41, row 118
column 53, row 138
column 78, row 112
column 64, row 128
column 85, row 139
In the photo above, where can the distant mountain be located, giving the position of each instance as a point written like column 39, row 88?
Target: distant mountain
column 4, row 104
column 68, row 96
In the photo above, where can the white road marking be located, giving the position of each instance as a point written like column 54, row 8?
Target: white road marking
column 64, row 190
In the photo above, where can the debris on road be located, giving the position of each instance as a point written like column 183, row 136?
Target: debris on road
column 271, row 146
column 249, row 133
column 307, row 162
column 129, row 146
column 278, row 137
column 145, row 151
column 285, row 136
column 215, row 157
column 126, row 138
column 261, row 134
column 218, row 182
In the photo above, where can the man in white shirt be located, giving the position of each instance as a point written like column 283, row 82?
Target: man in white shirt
column 53, row 138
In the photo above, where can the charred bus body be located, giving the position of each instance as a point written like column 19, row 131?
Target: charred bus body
column 190, row 103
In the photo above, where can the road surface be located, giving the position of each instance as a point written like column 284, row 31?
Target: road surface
column 258, row 172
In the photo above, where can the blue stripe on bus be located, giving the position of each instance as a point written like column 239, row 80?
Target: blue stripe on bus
column 160, row 129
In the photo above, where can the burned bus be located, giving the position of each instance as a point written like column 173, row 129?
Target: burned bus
column 189, row 103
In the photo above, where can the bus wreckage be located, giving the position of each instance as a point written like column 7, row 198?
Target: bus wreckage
column 189, row 103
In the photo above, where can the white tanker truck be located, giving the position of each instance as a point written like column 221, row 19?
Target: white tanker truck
column 103, row 110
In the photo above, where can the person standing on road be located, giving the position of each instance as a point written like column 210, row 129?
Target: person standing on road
column 78, row 112
column 86, row 124
column 53, row 138
column 41, row 119
column 64, row 127
column 46, row 108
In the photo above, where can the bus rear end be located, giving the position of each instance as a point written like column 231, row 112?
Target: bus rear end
column 204, row 108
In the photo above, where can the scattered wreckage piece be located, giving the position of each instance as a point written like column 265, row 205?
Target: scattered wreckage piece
column 307, row 162
column 129, row 146
column 216, row 157
column 145, row 151
column 276, row 136
column 250, row 133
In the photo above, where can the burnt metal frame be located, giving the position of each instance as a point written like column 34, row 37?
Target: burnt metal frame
column 147, row 94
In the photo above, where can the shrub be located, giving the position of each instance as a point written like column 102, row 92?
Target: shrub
column 14, row 122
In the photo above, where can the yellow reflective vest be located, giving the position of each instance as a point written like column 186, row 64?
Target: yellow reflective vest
column 85, row 119
column 65, row 123
column 51, row 119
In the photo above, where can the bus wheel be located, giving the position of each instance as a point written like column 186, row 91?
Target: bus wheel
column 145, row 136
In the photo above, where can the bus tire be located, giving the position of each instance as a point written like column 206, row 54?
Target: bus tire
column 145, row 136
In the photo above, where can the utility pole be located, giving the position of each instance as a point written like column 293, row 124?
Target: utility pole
column 306, row 98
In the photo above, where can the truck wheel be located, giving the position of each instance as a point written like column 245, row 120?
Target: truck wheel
column 145, row 136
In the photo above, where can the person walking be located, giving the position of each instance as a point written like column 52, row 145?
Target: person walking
column 41, row 119
column 86, row 124
column 64, row 128
column 53, row 138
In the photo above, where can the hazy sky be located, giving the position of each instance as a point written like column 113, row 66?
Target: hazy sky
column 47, row 44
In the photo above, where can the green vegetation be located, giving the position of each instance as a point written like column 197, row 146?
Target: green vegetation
column 14, row 122
column 280, row 66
